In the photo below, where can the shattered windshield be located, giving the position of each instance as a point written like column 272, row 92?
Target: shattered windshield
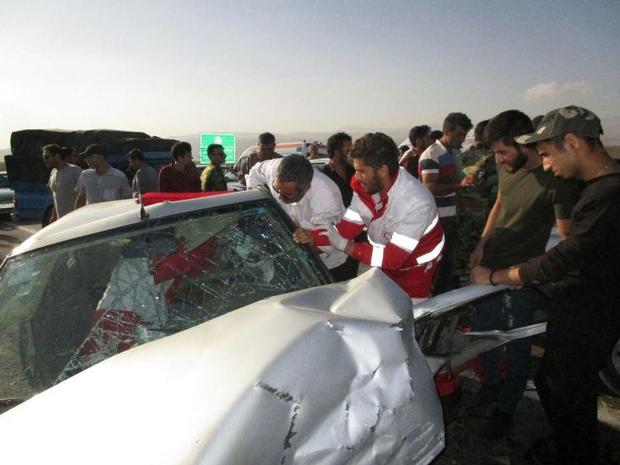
column 67, row 307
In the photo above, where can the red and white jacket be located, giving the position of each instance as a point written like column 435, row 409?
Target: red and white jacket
column 405, row 238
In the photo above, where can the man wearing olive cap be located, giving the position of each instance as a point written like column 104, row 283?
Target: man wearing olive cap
column 581, row 274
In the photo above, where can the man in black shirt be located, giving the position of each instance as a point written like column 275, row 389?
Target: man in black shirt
column 338, row 169
column 582, row 274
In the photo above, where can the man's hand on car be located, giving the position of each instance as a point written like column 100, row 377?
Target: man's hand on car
column 303, row 236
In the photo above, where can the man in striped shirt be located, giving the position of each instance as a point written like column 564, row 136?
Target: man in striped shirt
column 438, row 172
column 405, row 238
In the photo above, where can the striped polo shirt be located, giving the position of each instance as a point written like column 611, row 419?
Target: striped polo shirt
column 436, row 159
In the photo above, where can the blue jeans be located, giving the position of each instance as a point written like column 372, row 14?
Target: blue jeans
column 506, row 311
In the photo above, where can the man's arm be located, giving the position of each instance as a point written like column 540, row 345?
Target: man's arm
column 564, row 227
column 431, row 180
column 258, row 175
column 125, row 188
column 163, row 181
column 476, row 256
column 80, row 189
column 80, row 200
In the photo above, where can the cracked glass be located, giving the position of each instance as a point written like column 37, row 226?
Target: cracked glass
column 67, row 307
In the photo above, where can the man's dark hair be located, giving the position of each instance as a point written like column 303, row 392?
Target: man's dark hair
column 479, row 130
column 212, row 147
column 136, row 154
column 53, row 149
column 417, row 132
column 66, row 152
column 266, row 138
column 436, row 134
column 403, row 148
column 335, row 142
column 506, row 126
column 296, row 168
column 375, row 150
column 180, row 149
column 456, row 119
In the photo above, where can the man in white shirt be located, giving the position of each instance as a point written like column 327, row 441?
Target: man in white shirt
column 310, row 198
column 100, row 183
column 63, row 178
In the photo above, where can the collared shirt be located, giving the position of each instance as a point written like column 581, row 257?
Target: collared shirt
column 111, row 185
column 319, row 207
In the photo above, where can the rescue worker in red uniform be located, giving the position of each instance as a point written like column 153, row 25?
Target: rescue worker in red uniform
column 405, row 238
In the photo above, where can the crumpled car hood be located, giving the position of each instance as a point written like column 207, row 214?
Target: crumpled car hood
column 329, row 375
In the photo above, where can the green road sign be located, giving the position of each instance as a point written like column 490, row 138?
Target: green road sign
column 225, row 140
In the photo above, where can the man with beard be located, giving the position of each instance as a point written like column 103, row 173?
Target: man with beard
column 438, row 172
column 583, row 271
column 529, row 202
column 338, row 168
column 405, row 238
column 310, row 198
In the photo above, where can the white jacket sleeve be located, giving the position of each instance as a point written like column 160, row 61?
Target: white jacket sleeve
column 258, row 175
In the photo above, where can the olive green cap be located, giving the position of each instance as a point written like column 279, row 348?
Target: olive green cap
column 561, row 121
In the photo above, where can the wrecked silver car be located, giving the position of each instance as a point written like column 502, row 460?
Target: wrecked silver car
column 328, row 373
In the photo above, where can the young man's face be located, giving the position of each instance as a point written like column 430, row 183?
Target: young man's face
column 94, row 160
column 367, row 176
column 51, row 161
column 134, row 163
column 185, row 160
column 561, row 161
column 342, row 155
column 266, row 150
column 217, row 156
column 422, row 143
column 510, row 157
column 456, row 137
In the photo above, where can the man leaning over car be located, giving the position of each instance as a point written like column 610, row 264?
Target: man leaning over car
column 311, row 199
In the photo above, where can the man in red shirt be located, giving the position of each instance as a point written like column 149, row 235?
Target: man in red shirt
column 420, row 138
column 181, row 175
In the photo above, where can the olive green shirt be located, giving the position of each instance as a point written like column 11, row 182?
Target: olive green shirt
column 531, row 201
column 212, row 178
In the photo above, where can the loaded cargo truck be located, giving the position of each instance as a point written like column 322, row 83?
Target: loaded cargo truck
column 28, row 175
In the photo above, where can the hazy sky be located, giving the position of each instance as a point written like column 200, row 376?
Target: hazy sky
column 180, row 67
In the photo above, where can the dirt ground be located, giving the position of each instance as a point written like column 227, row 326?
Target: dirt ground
column 465, row 447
